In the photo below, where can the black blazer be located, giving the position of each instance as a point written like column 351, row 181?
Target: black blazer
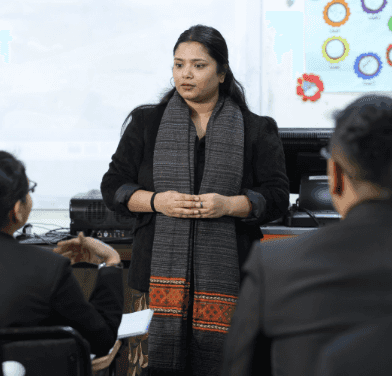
column 300, row 293
column 38, row 288
column 264, row 182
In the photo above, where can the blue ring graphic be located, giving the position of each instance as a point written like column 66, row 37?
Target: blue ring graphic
column 358, row 71
column 367, row 10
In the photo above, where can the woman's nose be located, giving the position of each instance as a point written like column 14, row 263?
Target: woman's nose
column 187, row 72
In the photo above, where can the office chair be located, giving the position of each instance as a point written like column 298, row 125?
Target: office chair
column 46, row 351
column 364, row 350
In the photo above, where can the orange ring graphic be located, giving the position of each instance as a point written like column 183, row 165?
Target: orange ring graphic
column 328, row 21
column 388, row 58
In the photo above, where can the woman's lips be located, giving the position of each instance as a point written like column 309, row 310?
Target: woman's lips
column 188, row 86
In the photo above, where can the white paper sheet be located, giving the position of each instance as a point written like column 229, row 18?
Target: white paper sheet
column 135, row 324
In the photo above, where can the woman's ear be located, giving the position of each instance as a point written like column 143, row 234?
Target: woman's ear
column 16, row 213
column 222, row 75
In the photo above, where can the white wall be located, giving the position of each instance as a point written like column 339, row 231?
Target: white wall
column 78, row 67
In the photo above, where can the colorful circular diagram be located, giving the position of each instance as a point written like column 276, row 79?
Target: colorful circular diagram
column 335, row 49
column 310, row 87
column 373, row 6
column 368, row 66
column 389, row 54
column 336, row 13
column 390, row 24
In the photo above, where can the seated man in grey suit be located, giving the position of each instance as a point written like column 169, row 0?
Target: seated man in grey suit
column 38, row 287
column 301, row 292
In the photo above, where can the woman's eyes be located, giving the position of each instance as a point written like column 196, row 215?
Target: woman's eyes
column 199, row 66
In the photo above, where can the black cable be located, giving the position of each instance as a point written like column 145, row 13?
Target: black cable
column 296, row 207
column 60, row 228
column 52, row 237
column 44, row 240
column 311, row 216
column 45, row 224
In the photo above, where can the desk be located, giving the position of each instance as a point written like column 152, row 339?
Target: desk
column 274, row 232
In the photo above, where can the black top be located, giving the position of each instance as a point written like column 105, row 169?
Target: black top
column 264, row 182
column 303, row 292
column 200, row 154
column 38, row 288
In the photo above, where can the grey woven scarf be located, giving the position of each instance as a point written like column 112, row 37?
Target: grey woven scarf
column 209, row 246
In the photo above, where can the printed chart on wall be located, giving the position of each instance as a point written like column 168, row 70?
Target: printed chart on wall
column 348, row 43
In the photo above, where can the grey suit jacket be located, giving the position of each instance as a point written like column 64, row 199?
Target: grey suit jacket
column 300, row 293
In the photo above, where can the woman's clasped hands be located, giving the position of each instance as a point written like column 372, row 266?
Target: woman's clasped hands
column 181, row 205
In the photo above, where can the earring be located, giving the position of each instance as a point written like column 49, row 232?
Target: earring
column 173, row 85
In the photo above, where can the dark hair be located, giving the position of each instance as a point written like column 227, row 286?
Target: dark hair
column 13, row 184
column 364, row 130
column 216, row 47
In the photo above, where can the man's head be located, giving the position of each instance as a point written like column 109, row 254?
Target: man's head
column 15, row 200
column 360, row 163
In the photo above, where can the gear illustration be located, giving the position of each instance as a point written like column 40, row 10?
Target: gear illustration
column 310, row 87
column 372, row 6
column 335, row 49
column 367, row 66
column 336, row 13
column 389, row 54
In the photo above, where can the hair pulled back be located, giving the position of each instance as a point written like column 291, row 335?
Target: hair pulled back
column 13, row 184
column 216, row 47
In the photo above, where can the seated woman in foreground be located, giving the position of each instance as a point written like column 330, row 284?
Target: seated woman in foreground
column 38, row 287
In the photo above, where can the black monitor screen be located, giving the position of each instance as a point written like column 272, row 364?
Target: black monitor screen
column 314, row 193
column 302, row 153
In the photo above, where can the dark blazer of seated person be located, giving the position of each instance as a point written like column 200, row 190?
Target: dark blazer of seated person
column 301, row 293
column 362, row 350
column 38, row 287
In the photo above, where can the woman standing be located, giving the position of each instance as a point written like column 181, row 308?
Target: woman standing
column 201, row 173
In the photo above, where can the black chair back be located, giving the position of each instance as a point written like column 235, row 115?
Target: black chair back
column 364, row 350
column 51, row 351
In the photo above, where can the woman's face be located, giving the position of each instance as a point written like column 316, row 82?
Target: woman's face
column 194, row 72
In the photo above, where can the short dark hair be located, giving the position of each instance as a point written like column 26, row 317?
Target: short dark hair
column 13, row 185
column 364, row 131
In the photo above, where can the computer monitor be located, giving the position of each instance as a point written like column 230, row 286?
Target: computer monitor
column 305, row 167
